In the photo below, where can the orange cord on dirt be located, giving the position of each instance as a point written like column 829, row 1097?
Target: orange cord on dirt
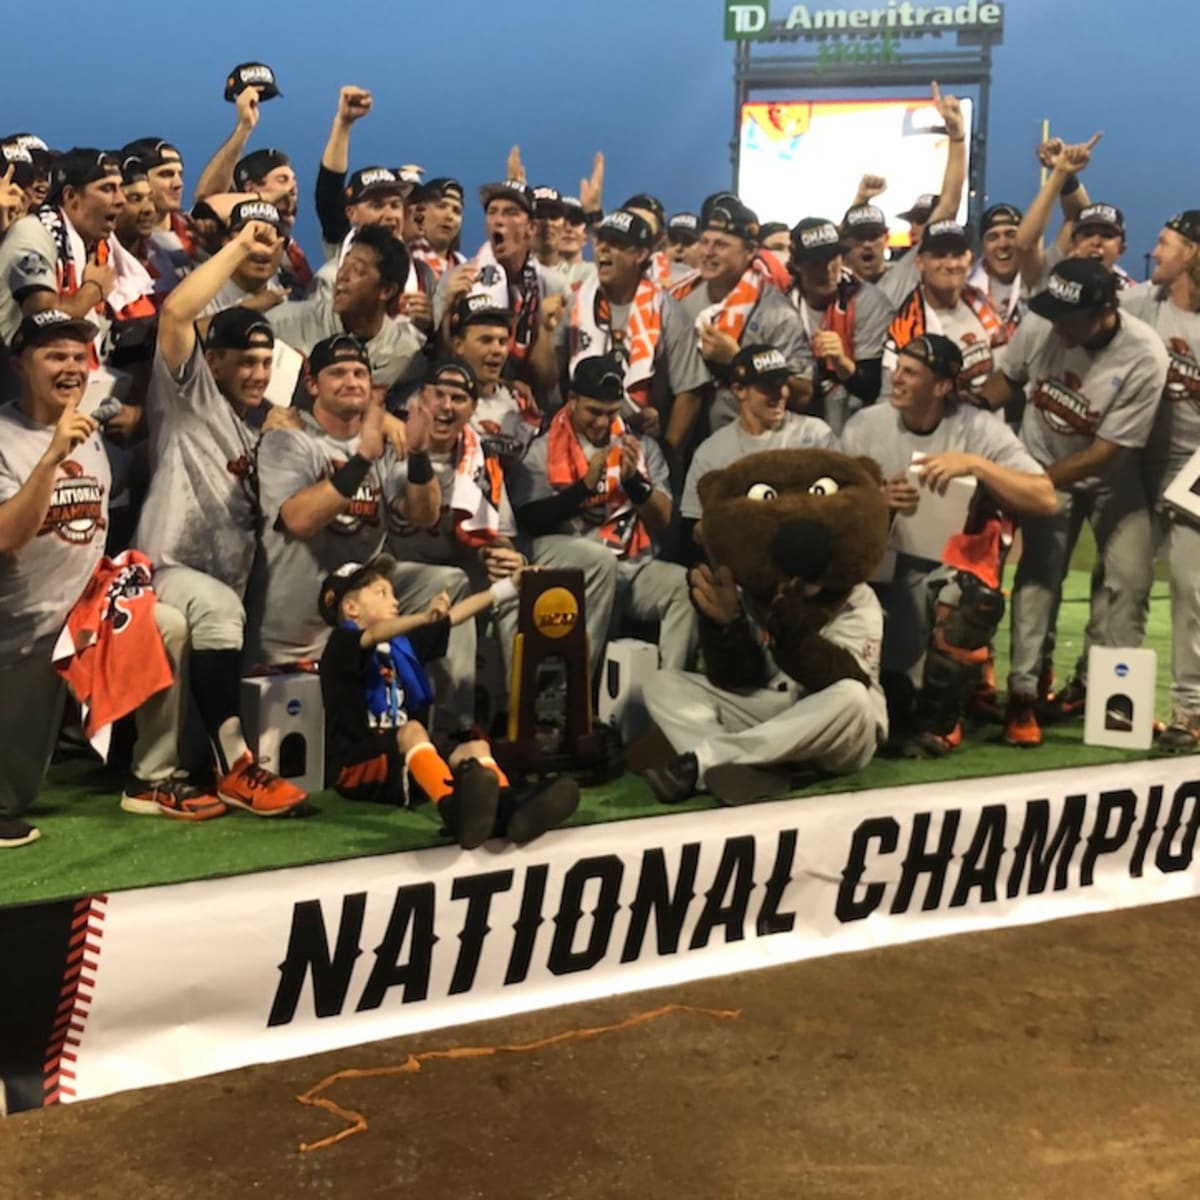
column 357, row 1122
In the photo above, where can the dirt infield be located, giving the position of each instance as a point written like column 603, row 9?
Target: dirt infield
column 1059, row 1062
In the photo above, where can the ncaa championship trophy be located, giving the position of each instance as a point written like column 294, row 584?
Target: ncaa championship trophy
column 550, row 701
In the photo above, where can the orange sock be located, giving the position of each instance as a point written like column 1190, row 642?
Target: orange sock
column 429, row 769
column 492, row 765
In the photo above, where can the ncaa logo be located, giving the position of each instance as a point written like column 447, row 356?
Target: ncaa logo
column 294, row 707
column 1121, row 670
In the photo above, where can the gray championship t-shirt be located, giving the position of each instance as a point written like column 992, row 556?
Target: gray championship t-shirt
column 1177, row 430
column 27, row 264
column 1074, row 396
column 774, row 322
column 728, row 445
column 284, row 624
column 40, row 583
column 899, row 279
column 501, row 427
column 678, row 366
column 551, row 282
column 530, row 480
column 395, row 351
column 202, row 507
column 440, row 546
column 879, row 433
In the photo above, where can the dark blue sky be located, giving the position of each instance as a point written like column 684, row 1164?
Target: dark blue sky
column 647, row 81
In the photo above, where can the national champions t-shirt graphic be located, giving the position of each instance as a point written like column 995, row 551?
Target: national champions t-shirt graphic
column 1064, row 407
column 76, row 512
column 1183, row 374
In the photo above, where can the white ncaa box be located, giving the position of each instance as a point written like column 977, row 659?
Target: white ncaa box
column 1119, row 710
column 628, row 663
column 284, row 721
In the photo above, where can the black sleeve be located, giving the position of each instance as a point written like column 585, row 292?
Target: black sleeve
column 331, row 205
column 541, row 517
column 866, row 380
column 733, row 658
column 430, row 641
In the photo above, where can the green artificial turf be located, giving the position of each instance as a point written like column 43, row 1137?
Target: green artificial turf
column 89, row 845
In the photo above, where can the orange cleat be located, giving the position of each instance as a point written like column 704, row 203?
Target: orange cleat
column 173, row 797
column 1021, row 726
column 255, row 789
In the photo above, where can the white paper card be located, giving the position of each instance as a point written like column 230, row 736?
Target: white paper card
column 924, row 533
column 1183, row 492
column 285, row 371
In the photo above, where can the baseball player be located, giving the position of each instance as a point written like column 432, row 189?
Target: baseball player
column 846, row 320
column 759, row 380
column 1170, row 303
column 325, row 489
column 732, row 304
column 940, row 620
column 593, row 496
column 207, row 410
column 54, row 490
column 1094, row 377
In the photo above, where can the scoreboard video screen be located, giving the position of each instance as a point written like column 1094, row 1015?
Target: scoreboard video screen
column 804, row 158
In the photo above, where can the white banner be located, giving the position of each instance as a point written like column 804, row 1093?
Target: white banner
column 204, row 977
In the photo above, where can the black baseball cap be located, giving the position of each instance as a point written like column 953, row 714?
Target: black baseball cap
column 864, row 222
column 133, row 170
column 547, row 202
column 944, row 236
column 601, row 377
column 816, row 240
column 938, row 352
column 624, row 228
column 999, row 214
column 251, row 74
column 515, row 190
column 1107, row 215
column 341, row 347
column 256, row 166
column 759, row 364
column 154, row 152
column 733, row 217
column 1076, row 285
column 479, row 309
column 349, row 578
column 441, row 188
column 254, row 210
column 47, row 326
column 1186, row 224
column 683, row 229
column 770, row 228
column 453, row 372
column 923, row 205
column 18, row 157
column 573, row 210
column 80, row 166
column 649, row 203
column 712, row 201
column 41, row 154
column 239, row 329
column 371, row 180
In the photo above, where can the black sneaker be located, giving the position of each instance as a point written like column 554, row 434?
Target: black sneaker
column 15, row 833
column 470, row 810
column 739, row 783
column 543, row 808
column 677, row 781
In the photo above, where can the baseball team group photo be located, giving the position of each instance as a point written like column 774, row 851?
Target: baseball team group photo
column 441, row 585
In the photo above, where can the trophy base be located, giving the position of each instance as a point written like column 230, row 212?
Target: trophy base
column 597, row 754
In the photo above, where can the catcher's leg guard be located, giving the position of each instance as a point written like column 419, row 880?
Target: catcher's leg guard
column 966, row 615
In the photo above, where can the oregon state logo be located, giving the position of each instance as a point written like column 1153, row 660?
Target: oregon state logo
column 1063, row 406
column 76, row 512
column 1183, row 374
column 977, row 360
column 555, row 613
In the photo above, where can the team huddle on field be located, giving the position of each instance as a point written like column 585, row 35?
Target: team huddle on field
column 350, row 468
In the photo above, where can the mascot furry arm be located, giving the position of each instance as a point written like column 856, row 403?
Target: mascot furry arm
column 798, row 530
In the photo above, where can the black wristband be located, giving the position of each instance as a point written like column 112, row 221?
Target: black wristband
column 593, row 217
column 1072, row 185
column 348, row 478
column 420, row 469
column 638, row 488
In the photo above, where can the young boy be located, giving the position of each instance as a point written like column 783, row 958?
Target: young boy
column 370, row 748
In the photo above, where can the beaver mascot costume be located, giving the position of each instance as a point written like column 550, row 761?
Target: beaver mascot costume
column 790, row 631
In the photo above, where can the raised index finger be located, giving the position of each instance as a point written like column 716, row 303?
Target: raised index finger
column 1094, row 139
column 936, row 92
